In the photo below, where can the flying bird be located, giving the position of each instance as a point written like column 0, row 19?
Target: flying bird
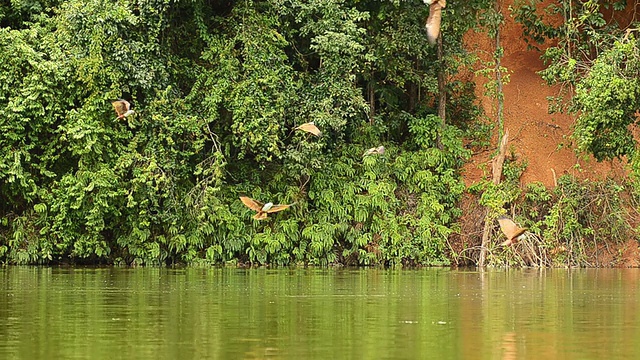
column 512, row 231
column 121, row 107
column 262, row 209
column 433, row 21
column 310, row 127
column 375, row 151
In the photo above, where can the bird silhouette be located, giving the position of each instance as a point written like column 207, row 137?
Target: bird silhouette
column 122, row 108
column 433, row 21
column 374, row 151
column 513, row 232
column 262, row 209
column 310, row 127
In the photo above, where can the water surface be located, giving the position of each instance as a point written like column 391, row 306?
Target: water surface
column 113, row 313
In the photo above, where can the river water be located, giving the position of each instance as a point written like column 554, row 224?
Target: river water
column 115, row 313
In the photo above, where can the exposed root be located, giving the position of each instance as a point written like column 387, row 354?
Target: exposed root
column 531, row 251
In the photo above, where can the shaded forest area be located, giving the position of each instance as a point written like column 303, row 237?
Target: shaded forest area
column 219, row 88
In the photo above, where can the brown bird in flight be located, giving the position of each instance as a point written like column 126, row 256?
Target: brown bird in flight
column 512, row 231
column 262, row 209
column 310, row 127
column 121, row 107
column 433, row 21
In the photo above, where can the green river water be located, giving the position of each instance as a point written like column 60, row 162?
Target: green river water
column 114, row 313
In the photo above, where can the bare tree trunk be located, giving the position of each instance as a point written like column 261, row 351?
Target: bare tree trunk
column 372, row 102
column 503, row 137
column 442, row 91
column 413, row 95
column 499, row 94
column 498, row 161
column 496, row 164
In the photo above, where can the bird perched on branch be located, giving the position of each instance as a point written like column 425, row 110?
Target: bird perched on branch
column 262, row 209
column 513, row 232
column 433, row 21
column 374, row 151
column 122, row 108
column 310, row 127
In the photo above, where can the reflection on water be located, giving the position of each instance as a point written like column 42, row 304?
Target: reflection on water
column 112, row 313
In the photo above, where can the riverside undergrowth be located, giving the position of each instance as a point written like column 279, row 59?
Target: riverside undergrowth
column 578, row 223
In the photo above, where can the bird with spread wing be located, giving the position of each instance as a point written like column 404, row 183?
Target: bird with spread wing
column 374, row 151
column 122, row 108
column 310, row 127
column 513, row 232
column 262, row 209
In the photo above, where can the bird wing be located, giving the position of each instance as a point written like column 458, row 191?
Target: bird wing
column 433, row 21
column 251, row 204
column 509, row 228
column 369, row 152
column 276, row 208
column 310, row 128
column 261, row 215
column 376, row 150
column 121, row 106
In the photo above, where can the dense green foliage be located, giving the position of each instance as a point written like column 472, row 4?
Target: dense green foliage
column 218, row 90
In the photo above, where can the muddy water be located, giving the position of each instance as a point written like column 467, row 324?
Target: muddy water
column 62, row 313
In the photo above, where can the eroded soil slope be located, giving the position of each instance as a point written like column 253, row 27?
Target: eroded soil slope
column 539, row 138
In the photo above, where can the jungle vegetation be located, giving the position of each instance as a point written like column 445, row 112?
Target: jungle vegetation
column 219, row 87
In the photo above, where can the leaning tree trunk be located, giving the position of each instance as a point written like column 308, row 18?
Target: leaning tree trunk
column 503, row 138
column 496, row 167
